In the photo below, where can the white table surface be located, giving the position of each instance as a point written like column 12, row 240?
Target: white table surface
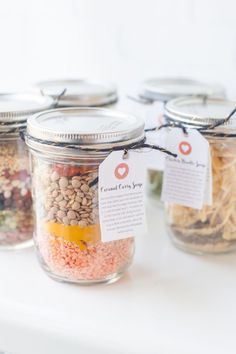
column 169, row 303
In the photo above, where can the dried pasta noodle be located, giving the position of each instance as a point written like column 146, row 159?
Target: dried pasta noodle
column 213, row 226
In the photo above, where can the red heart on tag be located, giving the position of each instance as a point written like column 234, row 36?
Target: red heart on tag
column 122, row 171
column 185, row 148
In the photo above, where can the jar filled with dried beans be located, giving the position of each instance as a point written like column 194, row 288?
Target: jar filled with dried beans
column 67, row 146
column 80, row 92
column 153, row 94
column 212, row 229
column 16, row 220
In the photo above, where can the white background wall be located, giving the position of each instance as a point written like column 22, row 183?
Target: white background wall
column 119, row 40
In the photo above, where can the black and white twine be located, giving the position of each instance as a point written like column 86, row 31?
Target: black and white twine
column 134, row 146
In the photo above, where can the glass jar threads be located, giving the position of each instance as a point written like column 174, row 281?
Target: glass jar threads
column 154, row 93
column 212, row 229
column 80, row 93
column 67, row 146
column 16, row 220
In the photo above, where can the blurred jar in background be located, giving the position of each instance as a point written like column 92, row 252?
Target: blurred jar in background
column 80, row 93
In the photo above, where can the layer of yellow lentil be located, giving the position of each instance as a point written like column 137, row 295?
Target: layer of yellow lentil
column 74, row 233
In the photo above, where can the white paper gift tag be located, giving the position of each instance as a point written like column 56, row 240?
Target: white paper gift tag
column 187, row 177
column 121, row 195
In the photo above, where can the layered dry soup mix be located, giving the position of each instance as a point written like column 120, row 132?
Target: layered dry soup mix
column 67, row 146
column 16, row 221
column 68, row 232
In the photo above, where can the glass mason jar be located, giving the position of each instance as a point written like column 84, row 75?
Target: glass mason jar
column 65, row 191
column 80, row 93
column 16, row 218
column 154, row 93
column 211, row 229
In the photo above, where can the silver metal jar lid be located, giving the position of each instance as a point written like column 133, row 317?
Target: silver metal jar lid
column 164, row 89
column 16, row 108
column 86, row 127
column 198, row 112
column 80, row 93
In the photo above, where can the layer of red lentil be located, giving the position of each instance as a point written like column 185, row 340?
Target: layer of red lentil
column 98, row 261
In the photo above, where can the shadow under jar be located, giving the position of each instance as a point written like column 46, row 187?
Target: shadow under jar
column 211, row 229
column 67, row 147
column 16, row 218
column 154, row 93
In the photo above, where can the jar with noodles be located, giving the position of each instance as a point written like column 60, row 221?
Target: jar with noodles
column 211, row 229
column 67, row 147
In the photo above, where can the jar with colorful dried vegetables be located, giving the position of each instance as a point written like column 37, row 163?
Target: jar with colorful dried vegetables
column 16, row 217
